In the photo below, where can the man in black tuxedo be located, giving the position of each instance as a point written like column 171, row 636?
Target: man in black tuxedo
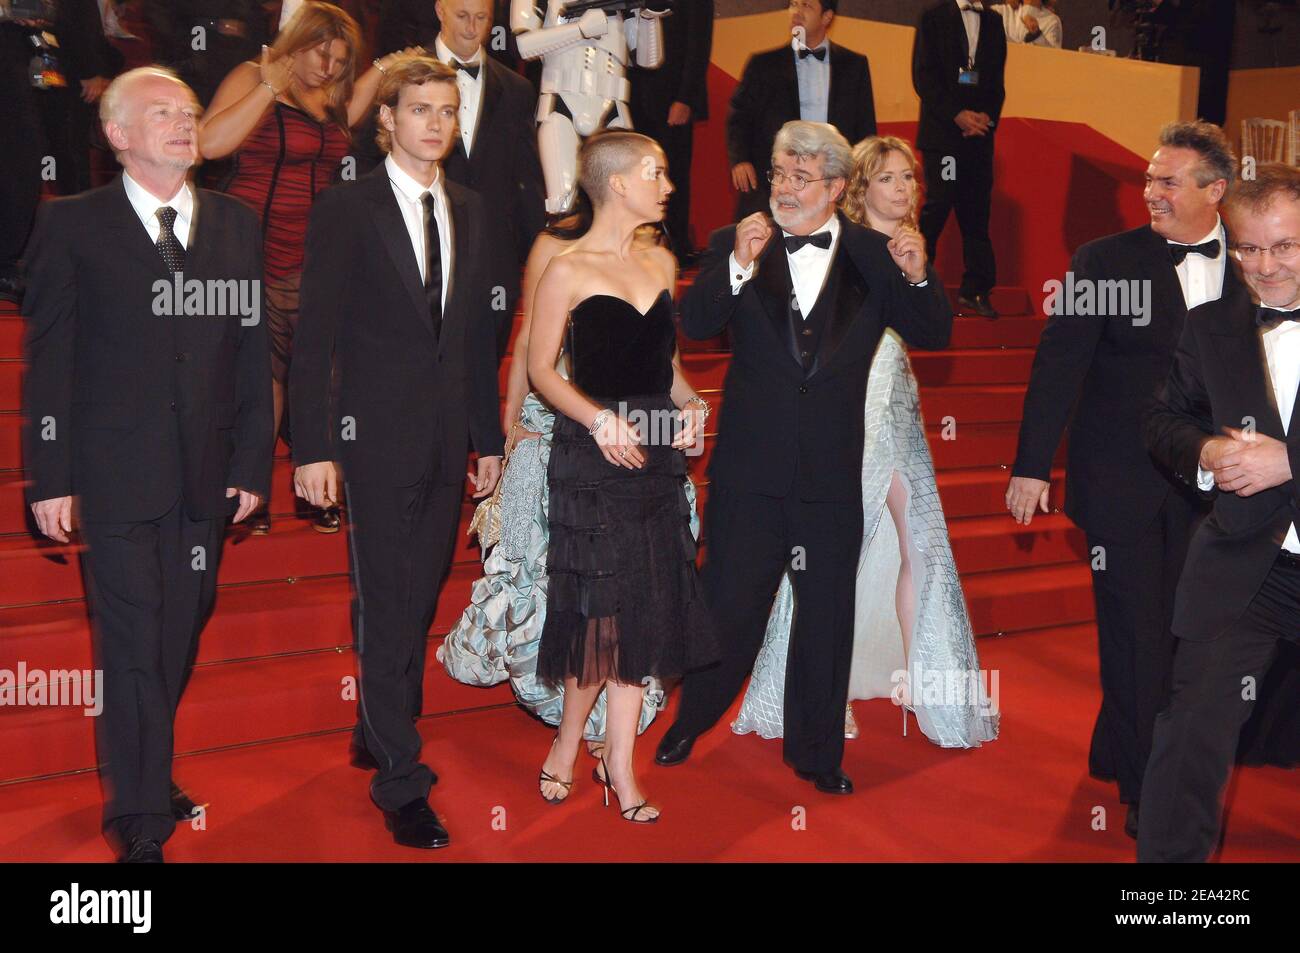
column 958, row 57
column 1109, row 366
column 154, row 413
column 495, row 150
column 816, row 80
column 396, row 288
column 805, row 312
column 668, row 101
column 1226, row 421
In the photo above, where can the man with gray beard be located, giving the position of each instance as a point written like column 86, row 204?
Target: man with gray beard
column 806, row 296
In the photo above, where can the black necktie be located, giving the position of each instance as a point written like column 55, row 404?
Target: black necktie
column 1178, row 252
column 819, row 53
column 1272, row 317
column 432, row 263
column 169, row 246
column 794, row 242
column 471, row 68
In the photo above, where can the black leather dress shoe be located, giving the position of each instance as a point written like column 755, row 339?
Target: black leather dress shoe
column 1131, row 821
column 415, row 825
column 183, row 807
column 833, row 782
column 979, row 304
column 142, row 850
column 673, row 750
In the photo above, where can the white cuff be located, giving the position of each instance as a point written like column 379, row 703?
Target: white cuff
column 738, row 275
column 1204, row 478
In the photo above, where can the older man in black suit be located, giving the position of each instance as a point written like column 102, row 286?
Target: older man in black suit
column 151, row 405
column 1226, row 423
column 806, row 305
column 810, row 78
column 397, row 298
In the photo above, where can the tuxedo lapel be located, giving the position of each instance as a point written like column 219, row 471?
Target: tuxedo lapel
column 844, row 292
column 397, row 241
column 775, row 290
column 1241, row 348
column 787, row 83
column 490, row 98
column 129, row 233
column 458, row 218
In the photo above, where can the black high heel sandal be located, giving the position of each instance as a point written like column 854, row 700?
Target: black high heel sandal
column 631, row 813
column 547, row 778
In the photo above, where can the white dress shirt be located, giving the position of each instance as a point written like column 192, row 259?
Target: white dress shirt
column 1201, row 277
column 814, row 77
column 808, row 267
column 1049, row 24
column 971, row 20
column 1282, row 354
column 146, row 206
column 471, row 89
column 410, row 199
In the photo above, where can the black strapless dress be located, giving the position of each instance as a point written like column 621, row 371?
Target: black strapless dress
column 623, row 599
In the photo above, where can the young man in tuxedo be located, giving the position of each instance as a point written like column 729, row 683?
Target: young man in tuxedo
column 495, row 152
column 156, row 419
column 1109, row 367
column 805, row 306
column 1226, row 423
column 667, row 102
column 810, row 78
column 958, row 58
column 397, row 296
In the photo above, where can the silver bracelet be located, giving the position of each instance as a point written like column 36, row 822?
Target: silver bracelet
column 703, row 403
column 275, row 93
column 599, row 421
column 378, row 65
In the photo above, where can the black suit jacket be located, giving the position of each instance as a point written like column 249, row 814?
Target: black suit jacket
column 504, row 168
column 681, row 77
column 781, row 430
column 406, row 398
column 1113, row 369
column 1220, row 379
column 768, row 97
column 146, row 408
column 939, row 50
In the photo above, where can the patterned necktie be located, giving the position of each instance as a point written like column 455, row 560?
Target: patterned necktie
column 470, row 68
column 432, row 263
column 1178, row 252
column 169, row 246
column 1272, row 317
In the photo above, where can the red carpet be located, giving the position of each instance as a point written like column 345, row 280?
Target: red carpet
column 1024, row 797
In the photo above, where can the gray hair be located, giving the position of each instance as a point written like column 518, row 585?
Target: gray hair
column 112, row 104
column 1209, row 142
column 801, row 138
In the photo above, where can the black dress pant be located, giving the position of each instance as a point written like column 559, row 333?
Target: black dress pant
column 1216, row 685
column 1134, row 597
column 967, row 188
column 651, row 118
column 751, row 541
column 400, row 542
column 151, row 586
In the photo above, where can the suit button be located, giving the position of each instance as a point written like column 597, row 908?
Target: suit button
column 807, row 332
column 803, row 388
column 181, row 357
column 805, row 355
column 172, row 405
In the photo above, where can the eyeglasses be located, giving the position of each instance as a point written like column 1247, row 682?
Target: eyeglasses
column 1282, row 251
column 798, row 181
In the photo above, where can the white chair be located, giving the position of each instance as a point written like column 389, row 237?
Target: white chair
column 1264, row 139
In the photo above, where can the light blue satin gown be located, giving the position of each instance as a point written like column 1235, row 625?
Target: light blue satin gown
column 498, row 634
column 961, row 716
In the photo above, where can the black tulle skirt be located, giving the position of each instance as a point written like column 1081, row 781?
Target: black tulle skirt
column 624, row 600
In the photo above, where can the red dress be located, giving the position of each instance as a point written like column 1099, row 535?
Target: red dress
column 284, row 162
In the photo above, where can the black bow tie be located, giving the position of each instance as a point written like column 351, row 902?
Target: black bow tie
column 1272, row 317
column 471, row 68
column 1209, row 249
column 794, row 242
column 819, row 53
column 978, row 7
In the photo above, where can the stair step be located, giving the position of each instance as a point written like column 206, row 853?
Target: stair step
column 981, row 491
column 1007, row 300
column 1040, row 597
column 1007, row 331
column 976, row 445
column 973, row 403
column 11, row 337
column 972, row 366
column 984, row 543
